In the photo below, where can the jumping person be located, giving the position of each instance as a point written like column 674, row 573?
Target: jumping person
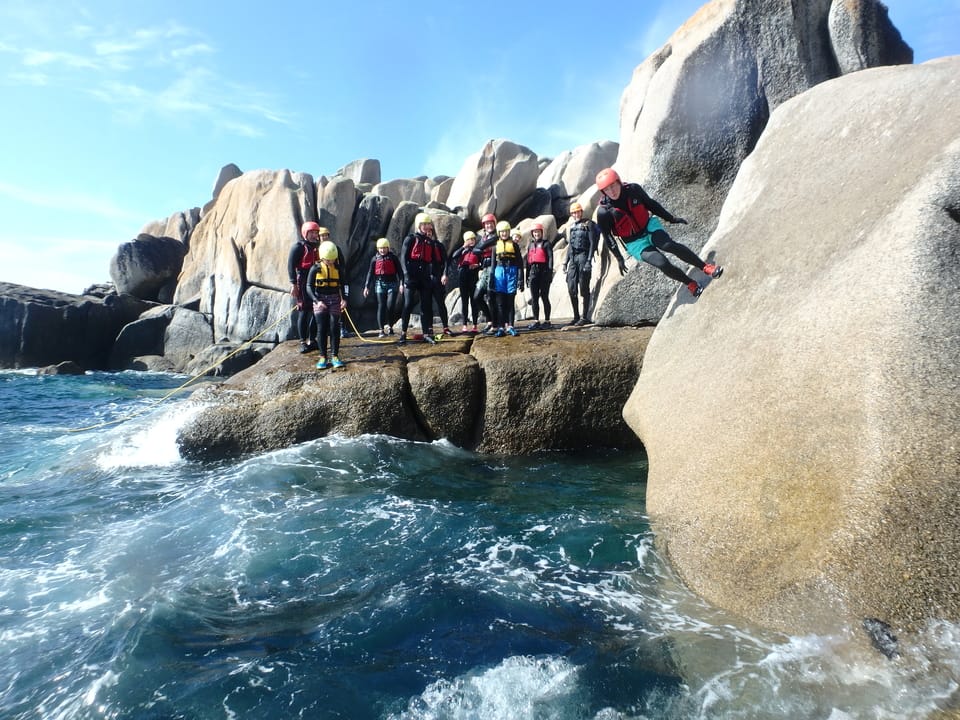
column 583, row 238
column 325, row 287
column 302, row 257
column 468, row 260
column 386, row 276
column 506, row 278
column 417, row 260
column 539, row 275
column 628, row 213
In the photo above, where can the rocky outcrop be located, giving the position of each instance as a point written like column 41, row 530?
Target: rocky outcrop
column 44, row 327
column 574, row 171
column 539, row 391
column 494, row 180
column 696, row 107
column 243, row 241
column 148, row 267
column 802, row 417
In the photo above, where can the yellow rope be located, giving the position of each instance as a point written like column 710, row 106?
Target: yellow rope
column 189, row 382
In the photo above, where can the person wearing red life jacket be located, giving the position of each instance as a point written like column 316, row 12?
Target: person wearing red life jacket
column 627, row 212
column 583, row 238
column 385, row 275
column 539, row 275
column 468, row 261
column 438, row 280
column 301, row 258
column 486, row 242
column 417, row 259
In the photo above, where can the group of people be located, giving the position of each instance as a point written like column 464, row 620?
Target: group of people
column 492, row 267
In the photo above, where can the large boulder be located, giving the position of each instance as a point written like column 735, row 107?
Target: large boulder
column 147, row 267
column 543, row 391
column 802, row 417
column 496, row 179
column 695, row 108
column 244, row 241
column 45, row 327
column 402, row 189
column 178, row 226
column 575, row 170
column 336, row 203
column 361, row 172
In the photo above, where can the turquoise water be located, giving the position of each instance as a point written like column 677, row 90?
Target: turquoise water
column 369, row 578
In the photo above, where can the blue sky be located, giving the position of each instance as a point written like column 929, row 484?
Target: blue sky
column 118, row 113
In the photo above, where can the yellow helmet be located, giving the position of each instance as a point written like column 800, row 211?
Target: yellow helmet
column 469, row 235
column 575, row 207
column 516, row 233
column 383, row 243
column 422, row 219
column 323, row 231
column 327, row 251
column 503, row 225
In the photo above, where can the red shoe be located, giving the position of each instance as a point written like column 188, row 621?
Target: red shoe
column 695, row 288
column 712, row 270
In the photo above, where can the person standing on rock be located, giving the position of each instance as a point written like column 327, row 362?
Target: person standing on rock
column 417, row 258
column 302, row 257
column 386, row 276
column 506, row 278
column 628, row 213
column 325, row 288
column 468, row 261
column 438, row 279
column 539, row 275
column 583, row 238
column 485, row 246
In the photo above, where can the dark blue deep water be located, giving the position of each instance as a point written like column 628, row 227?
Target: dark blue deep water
column 369, row 578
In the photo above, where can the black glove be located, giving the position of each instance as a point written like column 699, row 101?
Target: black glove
column 622, row 267
column 587, row 268
column 679, row 221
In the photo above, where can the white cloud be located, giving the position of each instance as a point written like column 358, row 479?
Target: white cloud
column 69, row 202
column 150, row 72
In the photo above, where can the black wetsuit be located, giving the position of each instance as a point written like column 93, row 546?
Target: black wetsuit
column 416, row 258
column 300, row 260
column 468, row 261
column 326, row 286
column 583, row 238
column 539, row 276
column 485, row 245
column 386, row 286
column 618, row 218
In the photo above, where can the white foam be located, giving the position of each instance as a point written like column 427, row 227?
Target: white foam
column 518, row 688
column 153, row 444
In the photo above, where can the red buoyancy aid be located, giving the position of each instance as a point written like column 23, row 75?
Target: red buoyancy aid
column 632, row 223
column 385, row 265
column 468, row 258
column 488, row 250
column 424, row 250
column 308, row 258
column 536, row 253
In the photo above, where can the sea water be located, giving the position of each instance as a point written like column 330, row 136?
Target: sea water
column 370, row 578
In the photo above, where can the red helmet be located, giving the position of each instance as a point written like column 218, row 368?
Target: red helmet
column 606, row 178
column 536, row 226
column 489, row 217
column 307, row 227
